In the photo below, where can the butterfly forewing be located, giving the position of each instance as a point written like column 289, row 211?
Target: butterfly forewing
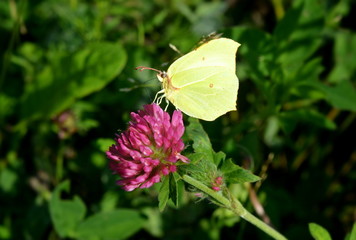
column 203, row 83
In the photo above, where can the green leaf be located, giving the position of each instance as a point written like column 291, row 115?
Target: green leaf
column 352, row 235
column 163, row 194
column 271, row 136
column 297, row 37
column 195, row 158
column 236, row 174
column 302, row 86
column 219, row 157
column 68, row 78
column 287, row 25
column 344, row 57
column 38, row 221
column 169, row 190
column 104, row 143
column 5, row 232
column 117, row 224
column 318, row 232
column 6, row 106
column 109, row 201
column 201, row 141
column 66, row 214
column 257, row 49
column 202, row 170
column 289, row 119
column 303, row 20
column 309, row 71
column 173, row 188
column 341, row 96
column 338, row 11
column 154, row 223
column 95, row 66
column 292, row 58
column 8, row 179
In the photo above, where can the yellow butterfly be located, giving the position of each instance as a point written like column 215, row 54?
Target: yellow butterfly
column 203, row 83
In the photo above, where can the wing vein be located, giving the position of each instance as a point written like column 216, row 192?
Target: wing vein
column 200, row 80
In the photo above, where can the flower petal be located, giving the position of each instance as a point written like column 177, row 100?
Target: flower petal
column 148, row 149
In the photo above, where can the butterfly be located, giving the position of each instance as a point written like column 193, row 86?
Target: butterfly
column 203, row 83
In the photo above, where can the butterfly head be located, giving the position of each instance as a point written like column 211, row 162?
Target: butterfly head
column 162, row 75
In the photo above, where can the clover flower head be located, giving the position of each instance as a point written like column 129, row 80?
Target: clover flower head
column 149, row 149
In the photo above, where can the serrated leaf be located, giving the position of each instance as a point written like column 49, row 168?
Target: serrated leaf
column 201, row 141
column 66, row 214
column 200, row 167
column 195, row 158
column 117, row 224
column 163, row 194
column 318, row 232
column 236, row 174
column 218, row 157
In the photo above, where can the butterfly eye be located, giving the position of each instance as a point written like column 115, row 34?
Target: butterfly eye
column 163, row 74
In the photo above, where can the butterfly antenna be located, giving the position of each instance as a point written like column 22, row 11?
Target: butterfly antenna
column 141, row 68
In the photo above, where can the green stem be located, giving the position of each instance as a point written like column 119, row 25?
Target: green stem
column 234, row 206
column 263, row 226
column 59, row 163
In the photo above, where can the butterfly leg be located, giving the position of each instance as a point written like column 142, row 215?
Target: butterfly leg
column 165, row 109
column 157, row 99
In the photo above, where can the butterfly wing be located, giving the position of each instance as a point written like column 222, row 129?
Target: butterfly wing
column 208, row 99
column 204, row 81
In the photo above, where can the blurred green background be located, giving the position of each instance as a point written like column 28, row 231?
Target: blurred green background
column 68, row 84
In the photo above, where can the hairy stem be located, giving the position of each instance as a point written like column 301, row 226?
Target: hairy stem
column 235, row 206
